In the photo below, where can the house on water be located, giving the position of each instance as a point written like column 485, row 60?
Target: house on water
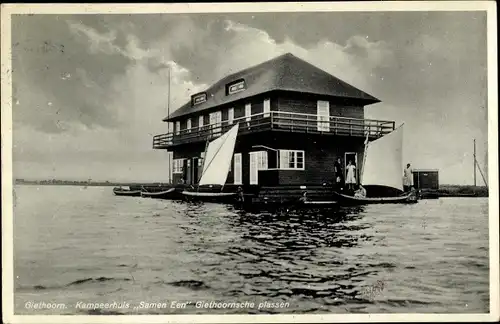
column 294, row 120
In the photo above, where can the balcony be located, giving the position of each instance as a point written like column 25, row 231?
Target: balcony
column 279, row 121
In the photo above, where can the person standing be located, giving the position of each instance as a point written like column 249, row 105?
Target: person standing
column 338, row 173
column 350, row 177
column 407, row 178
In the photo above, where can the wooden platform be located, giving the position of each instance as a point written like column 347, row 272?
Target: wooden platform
column 259, row 194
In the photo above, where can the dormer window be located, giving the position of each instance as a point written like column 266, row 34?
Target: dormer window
column 198, row 98
column 236, row 86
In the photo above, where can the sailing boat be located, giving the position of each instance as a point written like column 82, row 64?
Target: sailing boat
column 382, row 168
column 216, row 165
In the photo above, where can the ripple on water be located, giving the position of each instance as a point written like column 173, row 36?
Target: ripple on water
column 359, row 260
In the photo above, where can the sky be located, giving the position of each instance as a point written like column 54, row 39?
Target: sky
column 90, row 91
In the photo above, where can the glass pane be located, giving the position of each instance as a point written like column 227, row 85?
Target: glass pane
column 291, row 159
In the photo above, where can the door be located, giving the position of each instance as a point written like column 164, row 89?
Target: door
column 254, row 171
column 353, row 157
column 189, row 171
column 323, row 114
column 170, row 159
column 215, row 122
column 194, row 168
column 267, row 108
column 185, row 171
column 237, row 169
column 248, row 112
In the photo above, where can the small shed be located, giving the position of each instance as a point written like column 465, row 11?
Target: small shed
column 426, row 179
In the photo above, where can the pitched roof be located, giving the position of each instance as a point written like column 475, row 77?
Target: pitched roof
column 285, row 72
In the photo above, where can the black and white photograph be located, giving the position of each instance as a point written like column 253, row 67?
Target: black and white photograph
column 250, row 162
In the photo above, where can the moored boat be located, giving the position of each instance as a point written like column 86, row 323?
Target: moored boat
column 210, row 195
column 216, row 165
column 352, row 200
column 382, row 168
column 163, row 194
column 119, row 191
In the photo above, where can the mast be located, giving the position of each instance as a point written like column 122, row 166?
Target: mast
column 474, row 156
column 202, row 165
column 168, row 126
column 476, row 165
column 168, row 93
column 364, row 158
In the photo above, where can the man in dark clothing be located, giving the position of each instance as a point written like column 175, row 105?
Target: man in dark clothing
column 339, row 175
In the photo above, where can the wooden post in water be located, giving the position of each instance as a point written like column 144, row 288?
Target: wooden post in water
column 474, row 162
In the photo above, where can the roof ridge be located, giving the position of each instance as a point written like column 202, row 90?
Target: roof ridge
column 255, row 66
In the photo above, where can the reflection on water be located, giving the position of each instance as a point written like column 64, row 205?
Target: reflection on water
column 91, row 246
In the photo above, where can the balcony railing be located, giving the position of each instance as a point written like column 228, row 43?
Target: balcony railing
column 279, row 121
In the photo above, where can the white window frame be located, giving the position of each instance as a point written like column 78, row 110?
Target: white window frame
column 188, row 125
column 238, row 174
column 200, row 121
column 177, row 127
column 248, row 111
column 323, row 116
column 258, row 159
column 267, row 108
column 178, row 164
column 230, row 116
column 262, row 160
column 284, row 159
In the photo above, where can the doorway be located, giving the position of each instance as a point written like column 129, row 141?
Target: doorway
column 194, row 171
column 188, row 176
column 353, row 157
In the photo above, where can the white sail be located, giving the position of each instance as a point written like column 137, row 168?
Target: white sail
column 383, row 162
column 218, row 158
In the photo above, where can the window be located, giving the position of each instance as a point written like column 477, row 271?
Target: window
column 262, row 160
column 267, row 108
column 258, row 161
column 290, row 159
column 248, row 111
column 200, row 121
column 170, row 127
column 230, row 116
column 188, row 125
column 177, row 127
column 178, row 164
column 235, row 87
column 198, row 98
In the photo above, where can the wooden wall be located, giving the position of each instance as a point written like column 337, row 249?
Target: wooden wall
column 308, row 105
column 282, row 101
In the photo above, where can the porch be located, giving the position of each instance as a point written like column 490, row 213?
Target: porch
column 279, row 121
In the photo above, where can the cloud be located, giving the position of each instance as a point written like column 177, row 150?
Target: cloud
column 98, row 43
column 108, row 88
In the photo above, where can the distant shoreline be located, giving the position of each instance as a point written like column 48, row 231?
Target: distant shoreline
column 87, row 184
column 462, row 191
column 443, row 191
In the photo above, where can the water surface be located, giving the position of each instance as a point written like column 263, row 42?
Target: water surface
column 76, row 245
